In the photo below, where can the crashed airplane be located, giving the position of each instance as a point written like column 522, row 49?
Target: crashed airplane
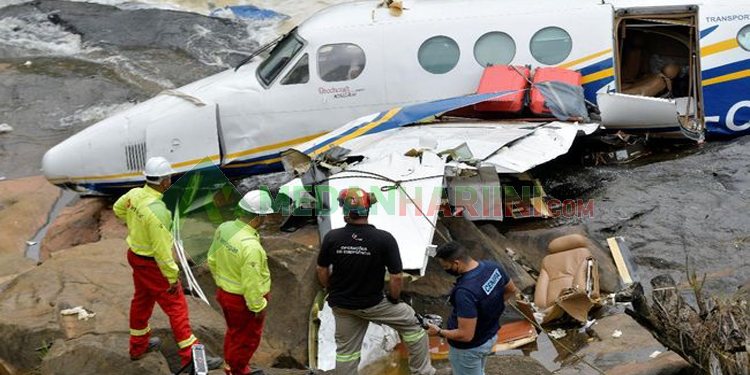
column 687, row 64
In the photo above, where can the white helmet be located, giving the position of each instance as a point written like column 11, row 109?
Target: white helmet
column 157, row 167
column 258, row 202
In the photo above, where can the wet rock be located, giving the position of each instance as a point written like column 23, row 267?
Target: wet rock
column 514, row 365
column 695, row 204
column 84, row 92
column 97, row 277
column 531, row 245
column 482, row 248
column 606, row 351
column 75, row 225
column 669, row 363
column 99, row 354
column 96, row 59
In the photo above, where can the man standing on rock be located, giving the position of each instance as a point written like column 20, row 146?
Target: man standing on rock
column 239, row 266
column 154, row 269
column 351, row 265
column 478, row 300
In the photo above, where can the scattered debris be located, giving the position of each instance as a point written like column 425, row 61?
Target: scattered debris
column 589, row 324
column 514, row 335
column 622, row 256
column 83, row 314
column 617, row 333
column 558, row 333
column 27, row 63
column 5, row 128
column 654, row 354
column 31, row 243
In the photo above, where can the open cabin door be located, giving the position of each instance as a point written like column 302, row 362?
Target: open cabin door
column 657, row 72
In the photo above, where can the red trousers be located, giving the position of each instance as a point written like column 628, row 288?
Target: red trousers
column 150, row 288
column 243, row 332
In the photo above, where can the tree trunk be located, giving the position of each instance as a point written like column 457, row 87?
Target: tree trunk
column 715, row 342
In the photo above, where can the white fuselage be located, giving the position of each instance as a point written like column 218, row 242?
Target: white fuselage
column 361, row 59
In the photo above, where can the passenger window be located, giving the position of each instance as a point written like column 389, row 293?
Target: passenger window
column 299, row 74
column 551, row 45
column 494, row 48
column 340, row 62
column 438, row 55
column 743, row 38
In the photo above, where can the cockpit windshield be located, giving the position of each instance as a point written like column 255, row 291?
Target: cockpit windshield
column 284, row 52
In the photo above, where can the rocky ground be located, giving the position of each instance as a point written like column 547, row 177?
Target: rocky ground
column 83, row 264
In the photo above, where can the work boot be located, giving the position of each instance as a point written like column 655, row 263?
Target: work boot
column 154, row 343
column 214, row 363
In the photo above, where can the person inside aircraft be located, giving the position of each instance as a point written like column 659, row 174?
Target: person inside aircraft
column 340, row 62
column 654, row 85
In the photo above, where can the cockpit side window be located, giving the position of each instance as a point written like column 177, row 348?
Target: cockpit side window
column 284, row 52
column 340, row 62
column 299, row 74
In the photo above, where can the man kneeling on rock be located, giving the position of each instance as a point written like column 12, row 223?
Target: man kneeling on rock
column 351, row 265
column 154, row 269
column 239, row 266
column 478, row 300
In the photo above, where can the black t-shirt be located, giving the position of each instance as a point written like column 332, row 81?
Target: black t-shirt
column 360, row 255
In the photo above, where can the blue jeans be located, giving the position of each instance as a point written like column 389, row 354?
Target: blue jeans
column 471, row 361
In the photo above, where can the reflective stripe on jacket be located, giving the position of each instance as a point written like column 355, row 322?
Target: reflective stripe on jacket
column 239, row 264
column 148, row 220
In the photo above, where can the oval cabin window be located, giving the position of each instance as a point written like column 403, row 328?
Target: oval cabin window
column 743, row 38
column 438, row 55
column 340, row 62
column 495, row 48
column 551, row 45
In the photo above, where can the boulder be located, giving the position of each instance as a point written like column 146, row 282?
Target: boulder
column 97, row 277
column 110, row 226
column 75, row 225
column 532, row 247
column 94, row 354
column 293, row 267
column 482, row 247
column 669, row 363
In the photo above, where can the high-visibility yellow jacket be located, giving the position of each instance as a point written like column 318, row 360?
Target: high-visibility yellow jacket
column 148, row 220
column 239, row 264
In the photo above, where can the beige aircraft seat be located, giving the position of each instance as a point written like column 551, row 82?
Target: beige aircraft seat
column 654, row 84
column 568, row 279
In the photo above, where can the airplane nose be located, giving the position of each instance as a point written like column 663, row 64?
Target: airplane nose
column 58, row 161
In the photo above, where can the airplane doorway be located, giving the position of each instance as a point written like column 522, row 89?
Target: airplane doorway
column 657, row 56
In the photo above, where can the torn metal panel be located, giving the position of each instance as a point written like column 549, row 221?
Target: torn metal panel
column 618, row 112
column 401, row 211
column 544, row 144
column 482, row 187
